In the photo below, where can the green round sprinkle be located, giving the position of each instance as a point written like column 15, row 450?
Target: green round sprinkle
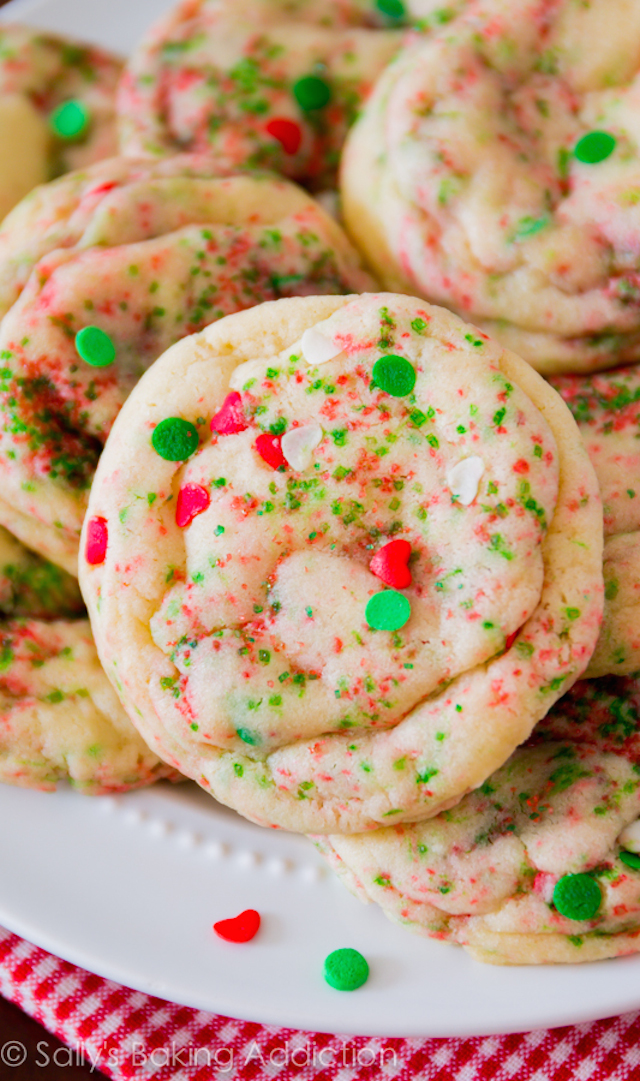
column 388, row 610
column 95, row 347
column 595, row 147
column 394, row 375
column 175, row 439
column 70, row 120
column 311, row 93
column 393, row 9
column 346, row 970
column 578, row 897
column 632, row 859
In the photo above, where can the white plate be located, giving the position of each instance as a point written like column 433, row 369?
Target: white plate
column 129, row 887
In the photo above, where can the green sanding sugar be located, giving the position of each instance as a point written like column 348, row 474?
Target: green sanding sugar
column 393, row 9
column 311, row 93
column 578, row 897
column 595, row 147
column 70, row 120
column 95, row 347
column 394, row 375
column 631, row 859
column 346, row 970
column 388, row 610
column 175, row 439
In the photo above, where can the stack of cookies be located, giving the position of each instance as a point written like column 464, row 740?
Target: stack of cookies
column 342, row 550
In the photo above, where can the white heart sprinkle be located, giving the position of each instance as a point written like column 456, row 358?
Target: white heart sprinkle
column 317, row 348
column 630, row 837
column 464, row 478
column 299, row 444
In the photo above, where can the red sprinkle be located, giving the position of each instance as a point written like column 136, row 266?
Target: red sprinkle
column 192, row 500
column 521, row 466
column 510, row 639
column 287, row 132
column 230, row 418
column 241, row 929
column 390, row 564
column 269, row 447
column 97, row 540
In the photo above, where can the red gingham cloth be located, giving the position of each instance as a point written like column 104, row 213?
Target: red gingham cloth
column 128, row 1034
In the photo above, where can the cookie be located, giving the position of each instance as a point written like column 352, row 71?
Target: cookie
column 606, row 407
column 341, row 554
column 538, row 865
column 60, row 719
column 103, row 270
column 270, row 83
column 495, row 170
column 57, row 108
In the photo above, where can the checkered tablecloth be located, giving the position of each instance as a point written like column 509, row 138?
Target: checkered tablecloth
column 127, row 1034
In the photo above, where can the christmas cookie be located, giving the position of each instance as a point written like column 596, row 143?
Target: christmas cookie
column 341, row 554
column 268, row 82
column 607, row 409
column 542, row 863
column 57, row 108
column 100, row 272
column 495, row 170
column 60, row 719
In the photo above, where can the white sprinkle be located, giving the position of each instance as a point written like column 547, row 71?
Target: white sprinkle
column 464, row 478
column 298, row 445
column 630, row 837
column 317, row 348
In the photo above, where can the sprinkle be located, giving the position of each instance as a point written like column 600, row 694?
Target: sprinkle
column 577, row 897
column 631, row 859
column 388, row 611
column 97, row 540
column 193, row 499
column 299, row 444
column 595, row 147
column 630, row 837
column 287, row 132
column 269, row 447
column 394, row 375
column 311, row 93
column 230, row 417
column 346, row 970
column 70, row 120
column 175, row 439
column 464, row 478
column 390, row 564
column 317, row 348
column 95, row 347
column 393, row 9
column 241, row 928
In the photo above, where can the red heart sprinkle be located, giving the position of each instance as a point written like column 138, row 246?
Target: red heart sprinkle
column 241, row 929
column 230, row 418
column 97, row 541
column 269, row 447
column 390, row 564
column 192, row 500
column 287, row 132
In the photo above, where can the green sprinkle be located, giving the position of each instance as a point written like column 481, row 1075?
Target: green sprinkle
column 577, row 897
column 346, row 970
column 311, row 93
column 388, row 610
column 595, row 147
column 247, row 737
column 175, row 439
column 393, row 9
column 394, row 375
column 264, row 656
column 631, row 859
column 70, row 120
column 95, row 347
